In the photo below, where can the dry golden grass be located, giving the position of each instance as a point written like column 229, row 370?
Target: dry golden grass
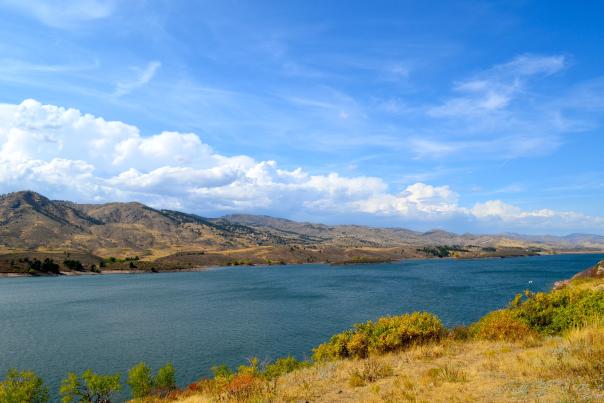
column 565, row 368
column 7, row 249
column 569, row 368
column 588, row 283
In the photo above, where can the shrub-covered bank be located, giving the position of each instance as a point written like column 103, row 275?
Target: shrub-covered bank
column 543, row 346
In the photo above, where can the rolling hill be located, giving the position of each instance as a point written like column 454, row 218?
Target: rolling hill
column 30, row 222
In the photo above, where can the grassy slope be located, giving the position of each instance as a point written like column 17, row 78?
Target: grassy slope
column 552, row 369
column 567, row 367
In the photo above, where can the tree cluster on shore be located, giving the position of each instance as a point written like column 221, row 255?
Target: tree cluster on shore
column 88, row 387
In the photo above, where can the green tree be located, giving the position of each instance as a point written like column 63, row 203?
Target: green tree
column 139, row 380
column 23, row 386
column 50, row 266
column 73, row 265
column 165, row 380
column 34, row 265
column 222, row 372
column 89, row 387
column 142, row 384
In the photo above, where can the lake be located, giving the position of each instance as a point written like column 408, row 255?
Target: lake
column 199, row 319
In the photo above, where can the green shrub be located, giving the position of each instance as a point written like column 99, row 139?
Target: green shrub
column 165, row 380
column 142, row 384
column 336, row 347
column 459, row 333
column 557, row 311
column 283, row 366
column 139, row 380
column 23, row 386
column 89, row 387
column 550, row 313
column 390, row 333
column 222, row 372
column 253, row 367
column 501, row 325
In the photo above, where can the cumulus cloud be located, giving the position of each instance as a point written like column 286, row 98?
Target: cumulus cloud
column 496, row 211
column 68, row 154
column 417, row 200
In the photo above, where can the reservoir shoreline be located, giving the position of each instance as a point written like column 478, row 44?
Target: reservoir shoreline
column 214, row 267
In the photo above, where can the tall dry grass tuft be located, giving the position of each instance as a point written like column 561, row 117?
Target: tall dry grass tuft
column 447, row 373
column 582, row 356
column 371, row 370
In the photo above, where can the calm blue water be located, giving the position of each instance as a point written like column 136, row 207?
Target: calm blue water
column 197, row 320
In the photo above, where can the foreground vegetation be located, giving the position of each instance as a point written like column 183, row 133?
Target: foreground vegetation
column 542, row 347
column 26, row 386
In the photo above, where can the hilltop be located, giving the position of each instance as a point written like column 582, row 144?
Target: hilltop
column 35, row 227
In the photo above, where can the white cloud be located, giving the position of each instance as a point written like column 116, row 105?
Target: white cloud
column 496, row 211
column 513, row 146
column 418, row 200
column 66, row 154
column 143, row 77
column 527, row 65
column 63, row 13
column 494, row 89
column 497, row 113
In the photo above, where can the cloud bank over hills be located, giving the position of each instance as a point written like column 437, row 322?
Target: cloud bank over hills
column 67, row 154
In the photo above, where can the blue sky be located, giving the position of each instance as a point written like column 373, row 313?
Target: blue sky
column 472, row 116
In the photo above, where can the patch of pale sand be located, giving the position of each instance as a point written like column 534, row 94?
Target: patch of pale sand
column 14, row 275
column 196, row 399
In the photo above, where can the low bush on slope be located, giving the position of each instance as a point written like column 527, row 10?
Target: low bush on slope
column 387, row 334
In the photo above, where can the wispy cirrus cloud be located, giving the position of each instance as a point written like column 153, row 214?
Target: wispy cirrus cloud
column 509, row 147
column 497, row 113
column 14, row 66
column 62, row 14
column 143, row 76
column 494, row 89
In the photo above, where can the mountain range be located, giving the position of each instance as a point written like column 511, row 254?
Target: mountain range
column 30, row 221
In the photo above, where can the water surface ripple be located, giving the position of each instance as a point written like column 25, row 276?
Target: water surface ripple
column 199, row 319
